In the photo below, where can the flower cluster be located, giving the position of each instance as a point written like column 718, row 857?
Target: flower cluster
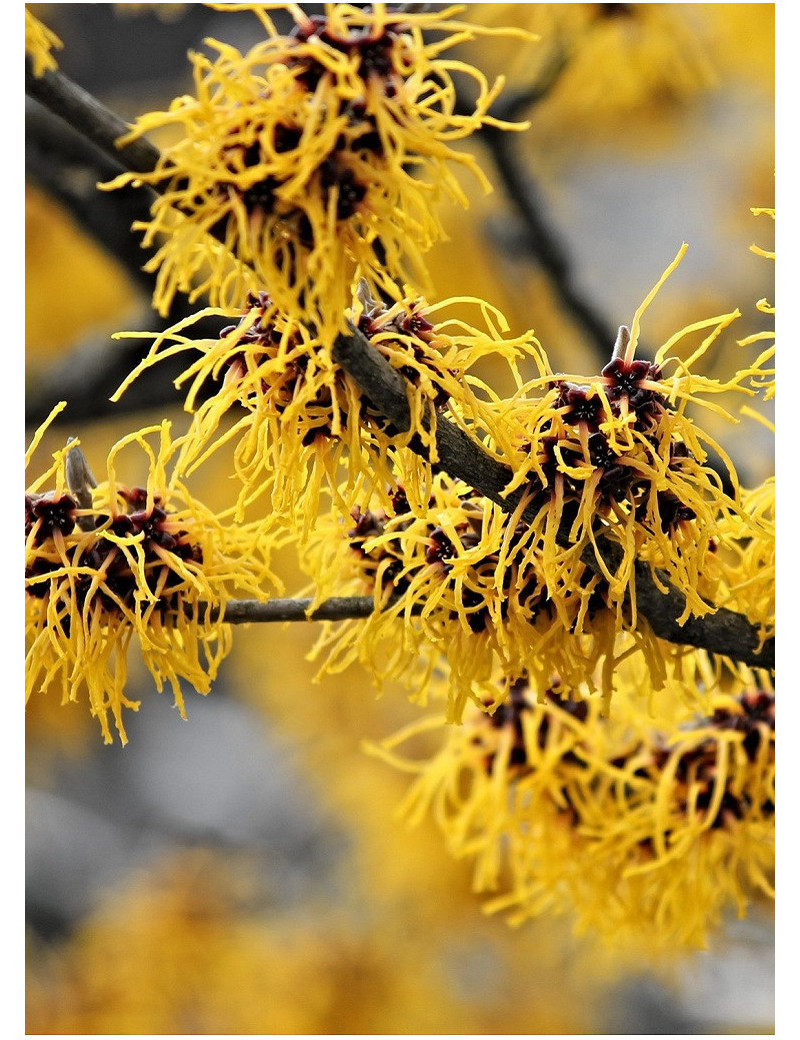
column 592, row 762
column 459, row 581
column 612, row 482
column 109, row 563
column 628, row 64
column 745, row 564
column 301, row 424
column 618, row 473
column 563, row 810
column 305, row 161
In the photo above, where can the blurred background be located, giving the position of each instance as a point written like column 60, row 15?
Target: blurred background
column 244, row 871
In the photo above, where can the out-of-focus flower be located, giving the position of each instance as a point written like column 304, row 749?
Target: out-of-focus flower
column 108, row 565
column 253, row 949
column 620, row 61
column 93, row 291
column 306, row 426
column 40, row 42
column 563, row 810
column 164, row 12
column 311, row 159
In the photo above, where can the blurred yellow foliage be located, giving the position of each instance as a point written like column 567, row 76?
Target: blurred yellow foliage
column 72, row 284
column 192, row 947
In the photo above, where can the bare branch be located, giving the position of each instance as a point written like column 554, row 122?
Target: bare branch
column 723, row 632
column 541, row 240
column 337, row 608
column 86, row 114
column 717, row 633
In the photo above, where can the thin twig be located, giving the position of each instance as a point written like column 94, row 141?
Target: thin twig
column 90, row 117
column 543, row 240
column 717, row 633
column 337, row 608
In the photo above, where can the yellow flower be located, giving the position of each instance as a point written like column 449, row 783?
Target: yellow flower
column 608, row 819
column 253, row 945
column 616, row 459
column 306, row 426
column 106, row 565
column 39, row 44
column 310, row 159
column 456, row 583
column 164, row 12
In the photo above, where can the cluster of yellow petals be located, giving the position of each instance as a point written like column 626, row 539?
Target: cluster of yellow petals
column 289, row 408
column 300, row 192
column 312, row 158
column 744, row 571
column 110, row 565
column 621, row 460
column 645, row 836
column 460, row 586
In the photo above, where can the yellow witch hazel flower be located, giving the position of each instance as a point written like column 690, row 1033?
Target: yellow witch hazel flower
column 562, row 810
column 109, row 565
column 623, row 60
column 301, row 426
column 455, row 583
column 40, row 42
column 166, row 12
column 312, row 158
column 616, row 460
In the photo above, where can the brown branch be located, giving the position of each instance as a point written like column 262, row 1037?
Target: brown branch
column 84, row 113
column 723, row 632
column 717, row 633
column 337, row 608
